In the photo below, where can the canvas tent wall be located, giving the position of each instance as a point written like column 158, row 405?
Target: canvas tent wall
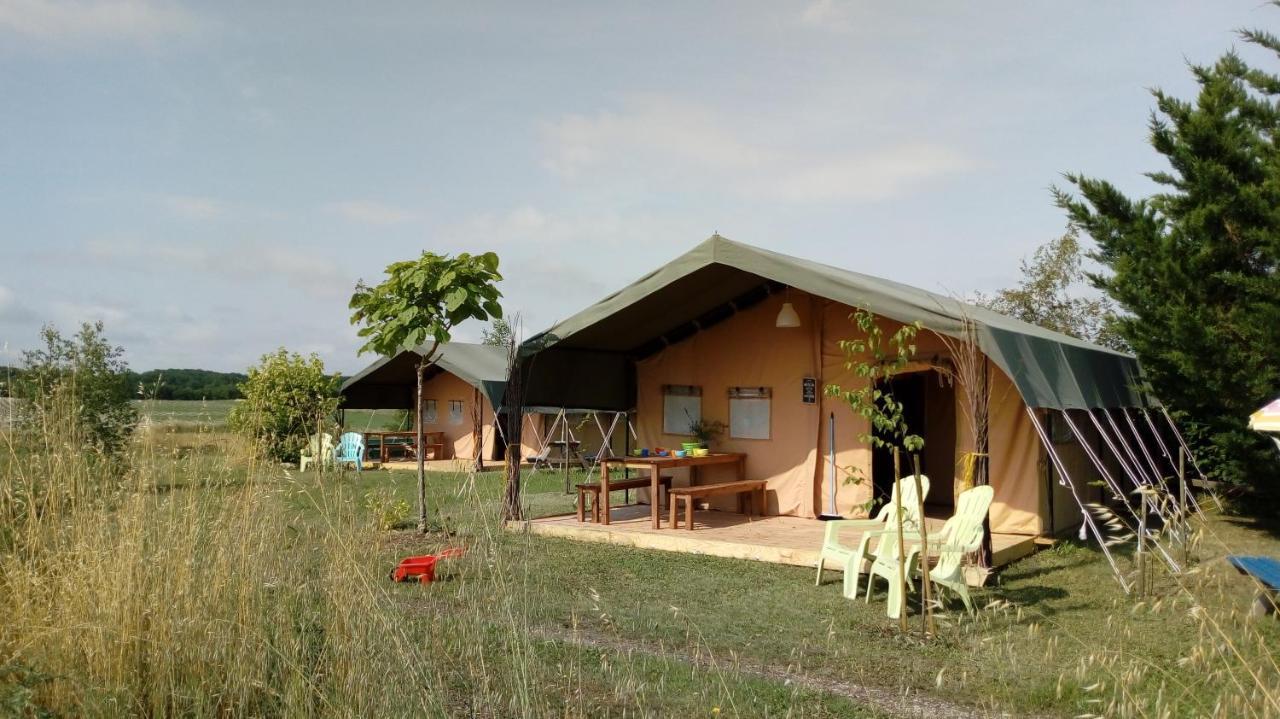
column 707, row 319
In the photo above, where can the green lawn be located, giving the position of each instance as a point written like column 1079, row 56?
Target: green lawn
column 1058, row 633
column 239, row 557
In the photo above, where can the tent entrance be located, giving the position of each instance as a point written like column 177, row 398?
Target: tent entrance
column 929, row 408
column 499, row 439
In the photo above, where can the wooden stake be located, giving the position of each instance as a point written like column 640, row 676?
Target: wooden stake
column 902, row 555
column 422, row 467
column 1182, row 508
column 1141, row 555
column 564, row 455
column 926, row 593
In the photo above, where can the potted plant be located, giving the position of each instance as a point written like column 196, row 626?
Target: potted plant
column 704, row 431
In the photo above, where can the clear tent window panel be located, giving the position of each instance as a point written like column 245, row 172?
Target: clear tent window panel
column 681, row 407
column 749, row 412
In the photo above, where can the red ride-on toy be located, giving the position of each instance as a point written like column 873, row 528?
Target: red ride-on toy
column 422, row 568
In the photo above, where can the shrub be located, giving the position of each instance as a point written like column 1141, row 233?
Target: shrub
column 88, row 374
column 286, row 398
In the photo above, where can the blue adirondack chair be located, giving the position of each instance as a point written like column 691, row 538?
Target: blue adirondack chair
column 350, row 449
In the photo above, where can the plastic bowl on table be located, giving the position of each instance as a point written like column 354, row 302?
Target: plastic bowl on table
column 680, row 454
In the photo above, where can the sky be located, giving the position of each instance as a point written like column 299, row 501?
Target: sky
column 211, row 180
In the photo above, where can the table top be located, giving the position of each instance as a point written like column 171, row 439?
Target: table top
column 713, row 458
column 408, row 434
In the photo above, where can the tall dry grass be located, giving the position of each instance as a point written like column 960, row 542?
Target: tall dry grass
column 203, row 583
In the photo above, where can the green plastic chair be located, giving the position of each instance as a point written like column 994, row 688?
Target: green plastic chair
column 961, row 535
column 852, row 559
column 884, row 564
column 319, row 449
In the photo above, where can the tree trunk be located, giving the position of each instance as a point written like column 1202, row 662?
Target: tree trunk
column 477, row 430
column 422, row 467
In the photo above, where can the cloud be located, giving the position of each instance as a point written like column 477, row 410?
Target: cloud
column 11, row 308
column 308, row 269
column 79, row 21
column 670, row 144
column 194, row 208
column 72, row 314
column 828, row 15
column 371, row 213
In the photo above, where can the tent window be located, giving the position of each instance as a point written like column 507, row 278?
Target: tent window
column 681, row 407
column 749, row 412
column 429, row 411
column 455, row 411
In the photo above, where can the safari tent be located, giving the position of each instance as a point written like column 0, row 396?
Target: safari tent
column 752, row 338
column 460, row 391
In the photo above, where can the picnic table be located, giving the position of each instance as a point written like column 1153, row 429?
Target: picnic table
column 655, row 467
column 433, row 441
column 565, row 452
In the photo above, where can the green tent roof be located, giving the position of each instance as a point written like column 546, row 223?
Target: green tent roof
column 382, row 385
column 585, row 360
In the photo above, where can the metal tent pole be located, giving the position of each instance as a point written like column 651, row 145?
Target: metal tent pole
column 1084, row 512
column 1133, row 458
column 1177, row 465
column 831, row 512
column 1155, row 471
column 1182, row 441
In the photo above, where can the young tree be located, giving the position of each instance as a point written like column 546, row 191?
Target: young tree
column 416, row 307
column 875, row 365
column 87, row 373
column 285, row 397
column 1049, row 295
column 1194, row 266
column 498, row 334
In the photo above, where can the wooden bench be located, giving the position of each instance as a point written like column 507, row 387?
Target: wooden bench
column 1266, row 572
column 664, row 485
column 748, row 489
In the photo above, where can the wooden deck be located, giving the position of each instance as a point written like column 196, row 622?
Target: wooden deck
column 780, row 540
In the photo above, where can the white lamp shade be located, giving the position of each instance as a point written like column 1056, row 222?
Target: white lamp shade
column 787, row 316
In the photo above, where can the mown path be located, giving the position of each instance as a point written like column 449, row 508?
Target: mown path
column 887, row 701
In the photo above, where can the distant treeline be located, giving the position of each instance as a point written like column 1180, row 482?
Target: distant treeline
column 162, row 383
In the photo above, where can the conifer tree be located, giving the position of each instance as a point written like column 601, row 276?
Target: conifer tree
column 1194, row 265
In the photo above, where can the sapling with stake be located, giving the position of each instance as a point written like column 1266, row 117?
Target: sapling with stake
column 926, row 590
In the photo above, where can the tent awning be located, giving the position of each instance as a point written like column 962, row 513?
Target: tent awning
column 587, row 360
column 383, row 384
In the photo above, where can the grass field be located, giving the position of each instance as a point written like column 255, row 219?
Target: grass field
column 212, row 584
column 212, row 414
